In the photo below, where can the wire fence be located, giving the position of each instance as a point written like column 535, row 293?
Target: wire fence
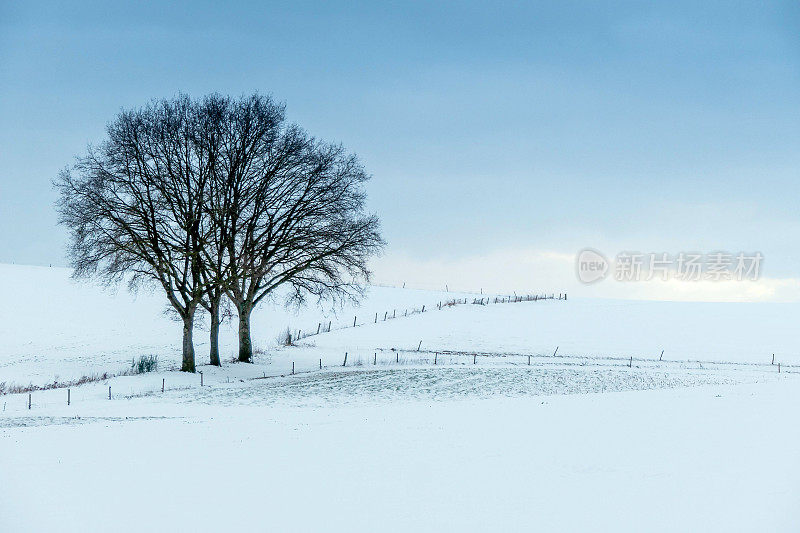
column 395, row 313
column 384, row 358
column 101, row 387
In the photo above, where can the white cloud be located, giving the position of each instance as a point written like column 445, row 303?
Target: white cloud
column 547, row 271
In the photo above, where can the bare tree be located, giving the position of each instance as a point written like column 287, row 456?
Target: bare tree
column 134, row 205
column 292, row 212
column 218, row 197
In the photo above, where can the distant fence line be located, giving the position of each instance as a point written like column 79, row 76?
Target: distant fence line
column 300, row 334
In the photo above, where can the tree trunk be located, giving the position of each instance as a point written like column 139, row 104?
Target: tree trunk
column 188, row 344
column 214, row 340
column 245, row 342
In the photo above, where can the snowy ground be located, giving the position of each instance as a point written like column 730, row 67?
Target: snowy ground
column 709, row 458
column 439, row 421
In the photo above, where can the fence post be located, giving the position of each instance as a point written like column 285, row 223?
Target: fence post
column 474, row 358
column 386, row 314
column 292, row 367
column 630, row 364
column 68, row 396
column 779, row 368
column 354, row 321
column 345, row 359
column 109, row 393
column 435, row 357
column 318, row 327
column 419, row 345
column 375, row 359
column 29, row 400
column 529, row 360
column 394, row 313
column 662, row 355
column 554, row 353
column 320, row 364
column 773, row 359
column 201, row 379
column 397, row 357
column 423, row 308
column 329, row 325
column 162, row 384
column 376, row 318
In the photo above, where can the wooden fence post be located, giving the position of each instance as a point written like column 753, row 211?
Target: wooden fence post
column 319, row 325
column 375, row 359
column 376, row 318
column 345, row 359
column 68, row 396
column 109, row 393
column 162, row 384
column 320, row 364
column 554, row 353
column 292, row 367
column 29, row 400
column 630, row 364
column 662, row 355
column 354, row 321
column 419, row 345
column 474, row 358
column 435, row 357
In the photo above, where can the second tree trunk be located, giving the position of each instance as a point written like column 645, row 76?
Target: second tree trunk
column 214, row 335
column 245, row 342
column 188, row 344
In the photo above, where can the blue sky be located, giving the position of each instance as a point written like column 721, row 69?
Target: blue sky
column 491, row 129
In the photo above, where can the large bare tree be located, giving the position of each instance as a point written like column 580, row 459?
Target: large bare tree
column 219, row 197
column 134, row 204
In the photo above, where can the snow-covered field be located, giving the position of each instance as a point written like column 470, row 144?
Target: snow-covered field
column 439, row 421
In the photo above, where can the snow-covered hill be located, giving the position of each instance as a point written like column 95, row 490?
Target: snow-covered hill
column 57, row 329
column 461, row 418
